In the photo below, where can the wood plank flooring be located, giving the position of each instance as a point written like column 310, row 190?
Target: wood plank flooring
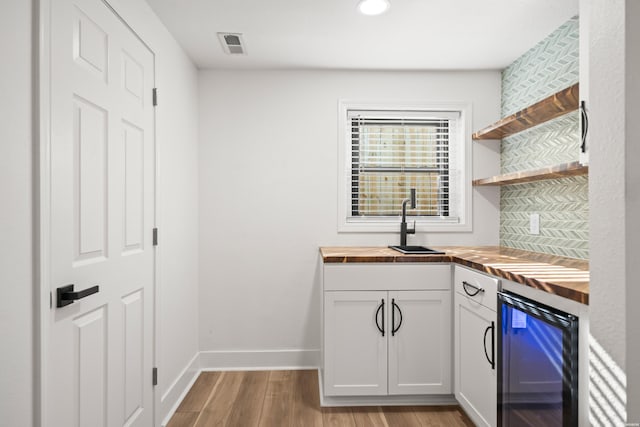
column 291, row 398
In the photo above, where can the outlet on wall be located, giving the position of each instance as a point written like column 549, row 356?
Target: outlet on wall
column 534, row 223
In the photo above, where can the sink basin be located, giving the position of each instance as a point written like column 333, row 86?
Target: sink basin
column 415, row 250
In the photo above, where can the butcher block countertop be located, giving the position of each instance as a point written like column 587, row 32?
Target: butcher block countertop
column 566, row 277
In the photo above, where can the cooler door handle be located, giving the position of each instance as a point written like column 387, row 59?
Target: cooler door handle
column 492, row 360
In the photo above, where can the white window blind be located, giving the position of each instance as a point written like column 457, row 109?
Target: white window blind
column 394, row 151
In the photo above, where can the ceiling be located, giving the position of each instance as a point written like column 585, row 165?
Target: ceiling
column 331, row 34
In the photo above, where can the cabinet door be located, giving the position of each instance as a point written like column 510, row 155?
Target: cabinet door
column 355, row 350
column 420, row 342
column 476, row 378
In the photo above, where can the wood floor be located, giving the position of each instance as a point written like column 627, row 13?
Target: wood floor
column 291, row 398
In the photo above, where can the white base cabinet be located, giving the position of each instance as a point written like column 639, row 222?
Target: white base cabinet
column 475, row 345
column 386, row 337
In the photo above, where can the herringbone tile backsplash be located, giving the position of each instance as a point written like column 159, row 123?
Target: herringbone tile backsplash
column 547, row 67
column 563, row 204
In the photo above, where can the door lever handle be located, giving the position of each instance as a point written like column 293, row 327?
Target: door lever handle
column 65, row 294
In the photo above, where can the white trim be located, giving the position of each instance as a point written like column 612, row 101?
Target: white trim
column 42, row 210
column 176, row 393
column 192, row 367
column 391, row 400
column 157, row 282
column 463, row 224
column 259, row 360
column 263, row 360
column 276, row 360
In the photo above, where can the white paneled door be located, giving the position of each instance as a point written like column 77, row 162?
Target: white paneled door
column 99, row 355
column 420, row 342
column 355, row 346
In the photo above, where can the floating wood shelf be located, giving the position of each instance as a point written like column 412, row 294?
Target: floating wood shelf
column 556, row 105
column 557, row 171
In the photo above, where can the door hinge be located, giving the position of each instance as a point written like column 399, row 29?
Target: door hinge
column 155, row 96
column 155, row 376
column 50, row 299
column 155, row 237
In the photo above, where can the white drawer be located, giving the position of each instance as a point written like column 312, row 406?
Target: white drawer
column 386, row 276
column 476, row 286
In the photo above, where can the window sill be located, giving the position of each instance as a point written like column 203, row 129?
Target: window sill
column 393, row 226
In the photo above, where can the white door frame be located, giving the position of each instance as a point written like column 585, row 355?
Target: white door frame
column 43, row 298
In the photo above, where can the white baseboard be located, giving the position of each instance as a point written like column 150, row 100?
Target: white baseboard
column 275, row 360
column 172, row 398
column 231, row 361
column 259, row 360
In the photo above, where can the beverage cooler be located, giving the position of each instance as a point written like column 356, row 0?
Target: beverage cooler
column 537, row 364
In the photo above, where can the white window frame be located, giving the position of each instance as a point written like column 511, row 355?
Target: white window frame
column 347, row 224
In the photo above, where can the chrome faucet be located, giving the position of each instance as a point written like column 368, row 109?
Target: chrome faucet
column 403, row 225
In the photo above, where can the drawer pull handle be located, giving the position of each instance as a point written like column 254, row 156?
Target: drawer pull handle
column 466, row 285
column 380, row 307
column 492, row 360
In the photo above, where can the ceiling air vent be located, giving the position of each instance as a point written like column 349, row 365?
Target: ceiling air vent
column 232, row 43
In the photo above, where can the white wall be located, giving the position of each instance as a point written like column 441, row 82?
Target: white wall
column 176, row 138
column 16, row 278
column 268, row 194
column 614, row 205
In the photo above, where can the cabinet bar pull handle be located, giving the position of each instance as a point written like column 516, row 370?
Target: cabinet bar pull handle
column 393, row 320
column 380, row 307
column 491, row 361
column 475, row 288
column 585, row 126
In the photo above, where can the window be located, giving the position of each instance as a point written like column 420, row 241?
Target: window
column 387, row 151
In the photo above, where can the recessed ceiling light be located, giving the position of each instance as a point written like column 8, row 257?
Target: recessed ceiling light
column 373, row 7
